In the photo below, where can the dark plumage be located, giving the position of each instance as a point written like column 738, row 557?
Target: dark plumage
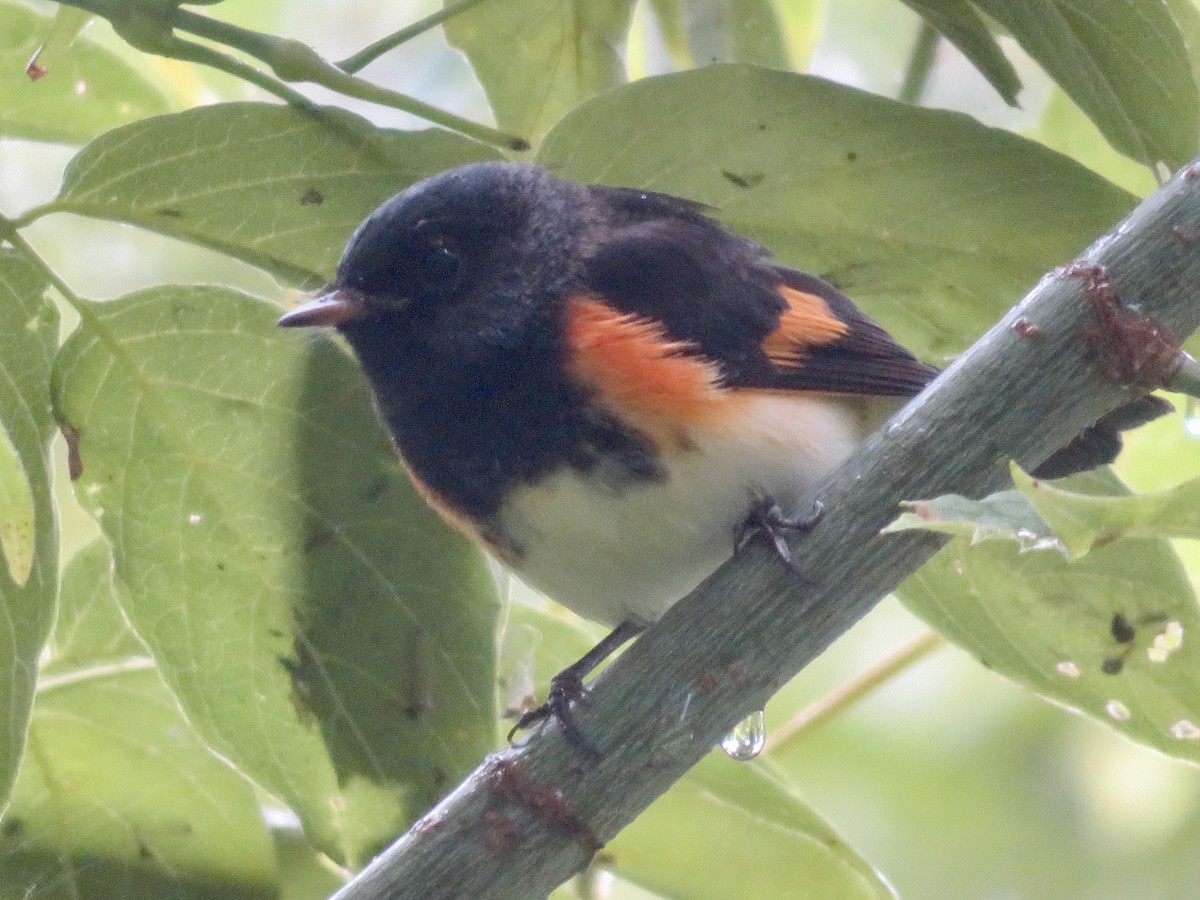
column 602, row 384
column 462, row 278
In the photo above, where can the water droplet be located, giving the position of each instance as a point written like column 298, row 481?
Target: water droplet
column 1030, row 540
column 194, row 518
column 1117, row 710
column 1191, row 417
column 1166, row 642
column 1185, row 730
column 1068, row 668
column 597, row 884
column 747, row 738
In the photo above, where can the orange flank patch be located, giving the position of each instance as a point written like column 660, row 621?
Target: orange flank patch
column 807, row 322
column 658, row 385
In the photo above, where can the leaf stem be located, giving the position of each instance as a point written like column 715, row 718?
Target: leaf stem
column 336, row 79
column 368, row 55
column 294, row 61
column 847, row 695
column 9, row 232
column 190, row 51
column 920, row 64
column 290, row 60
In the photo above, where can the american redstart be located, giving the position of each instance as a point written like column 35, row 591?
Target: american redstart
column 607, row 388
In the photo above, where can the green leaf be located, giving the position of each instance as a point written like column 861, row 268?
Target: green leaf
column 933, row 222
column 1066, row 128
column 1187, row 19
column 320, row 626
column 1111, row 634
column 28, row 529
column 757, row 34
column 305, row 874
column 538, row 59
column 86, row 90
column 1083, row 521
column 91, row 628
column 725, row 829
column 67, row 24
column 118, row 797
column 1123, row 61
column 1005, row 515
column 731, row 829
column 735, row 31
column 961, row 24
column 271, row 185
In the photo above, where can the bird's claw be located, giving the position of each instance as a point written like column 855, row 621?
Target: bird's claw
column 767, row 520
column 565, row 689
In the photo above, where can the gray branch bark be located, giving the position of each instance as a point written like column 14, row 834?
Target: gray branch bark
column 530, row 817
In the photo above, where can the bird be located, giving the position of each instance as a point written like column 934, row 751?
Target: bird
column 610, row 390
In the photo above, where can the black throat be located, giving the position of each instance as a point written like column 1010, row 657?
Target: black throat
column 473, row 433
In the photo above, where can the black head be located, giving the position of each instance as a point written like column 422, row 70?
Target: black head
column 442, row 235
column 455, row 265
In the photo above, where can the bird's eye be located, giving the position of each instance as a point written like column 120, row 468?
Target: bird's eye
column 437, row 260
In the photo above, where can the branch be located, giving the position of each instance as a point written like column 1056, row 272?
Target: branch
column 152, row 30
column 530, row 817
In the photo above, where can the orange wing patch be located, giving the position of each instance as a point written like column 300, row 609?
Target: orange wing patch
column 807, row 322
column 656, row 384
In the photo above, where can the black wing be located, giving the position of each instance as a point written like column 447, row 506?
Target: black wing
column 766, row 326
column 772, row 328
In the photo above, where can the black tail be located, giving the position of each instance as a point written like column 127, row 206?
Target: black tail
column 1099, row 444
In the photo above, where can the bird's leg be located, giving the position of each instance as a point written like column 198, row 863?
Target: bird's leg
column 567, row 686
column 767, row 520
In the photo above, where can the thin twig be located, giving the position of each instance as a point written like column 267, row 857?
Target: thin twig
column 369, row 54
column 847, row 695
column 920, row 64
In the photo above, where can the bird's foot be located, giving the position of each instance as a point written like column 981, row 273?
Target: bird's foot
column 565, row 688
column 767, row 520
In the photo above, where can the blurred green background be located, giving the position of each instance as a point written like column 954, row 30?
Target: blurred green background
column 951, row 781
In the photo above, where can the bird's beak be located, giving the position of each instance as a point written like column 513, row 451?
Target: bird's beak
column 334, row 307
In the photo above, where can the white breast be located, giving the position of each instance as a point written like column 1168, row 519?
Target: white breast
column 628, row 554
